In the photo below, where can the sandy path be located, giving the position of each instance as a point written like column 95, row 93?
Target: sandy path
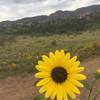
column 17, row 88
column 22, row 88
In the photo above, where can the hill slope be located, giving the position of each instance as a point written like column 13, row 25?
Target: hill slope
column 81, row 19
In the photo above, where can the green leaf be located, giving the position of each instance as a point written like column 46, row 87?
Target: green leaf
column 90, row 98
column 96, row 94
column 87, row 85
column 39, row 97
column 97, row 76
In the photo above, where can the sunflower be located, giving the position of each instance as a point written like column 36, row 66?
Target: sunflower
column 98, row 71
column 59, row 75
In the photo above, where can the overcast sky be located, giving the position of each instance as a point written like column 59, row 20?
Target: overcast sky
column 15, row 9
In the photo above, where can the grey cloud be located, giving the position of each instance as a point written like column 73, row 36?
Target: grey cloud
column 23, row 1
column 95, row 1
column 10, row 2
column 27, row 1
column 14, row 9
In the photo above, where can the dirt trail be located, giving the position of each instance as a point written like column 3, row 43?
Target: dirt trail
column 22, row 88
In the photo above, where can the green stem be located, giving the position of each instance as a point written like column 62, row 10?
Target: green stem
column 96, row 95
column 90, row 93
column 94, row 81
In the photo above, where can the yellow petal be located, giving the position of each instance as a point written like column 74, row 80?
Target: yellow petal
column 42, row 75
column 50, row 89
column 52, row 56
column 75, row 82
column 40, row 62
column 62, row 52
column 74, row 59
column 59, row 92
column 65, row 96
column 69, row 91
column 68, row 56
column 57, row 52
column 43, row 81
column 78, row 76
column 47, row 60
column 42, row 68
column 68, row 65
column 80, row 69
column 54, row 92
column 43, row 89
column 76, row 64
column 58, row 57
column 73, row 88
column 70, row 62
column 76, row 70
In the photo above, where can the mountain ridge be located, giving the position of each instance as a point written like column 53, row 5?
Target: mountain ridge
column 87, row 9
column 59, row 20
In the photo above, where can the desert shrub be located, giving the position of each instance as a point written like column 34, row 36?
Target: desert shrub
column 54, row 43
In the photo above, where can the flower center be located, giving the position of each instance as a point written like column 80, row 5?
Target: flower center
column 59, row 74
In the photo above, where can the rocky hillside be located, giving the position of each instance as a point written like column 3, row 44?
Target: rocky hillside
column 56, row 23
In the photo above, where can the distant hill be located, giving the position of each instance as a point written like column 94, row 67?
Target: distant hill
column 85, row 18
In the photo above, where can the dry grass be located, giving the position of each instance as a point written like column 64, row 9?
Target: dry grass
column 19, row 54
